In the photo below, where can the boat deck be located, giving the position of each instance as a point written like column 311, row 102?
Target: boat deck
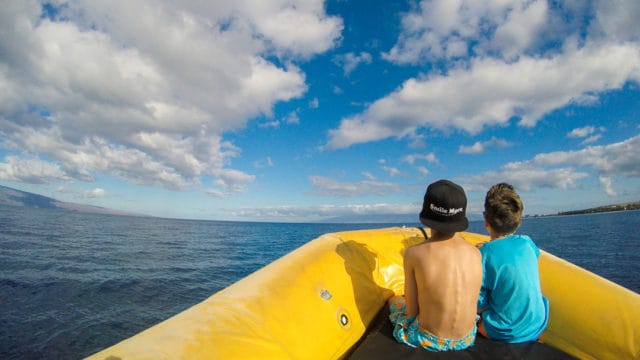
column 379, row 343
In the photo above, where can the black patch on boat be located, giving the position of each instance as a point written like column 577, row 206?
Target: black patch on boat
column 378, row 343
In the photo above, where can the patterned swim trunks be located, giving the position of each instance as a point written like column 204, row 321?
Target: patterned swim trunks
column 407, row 330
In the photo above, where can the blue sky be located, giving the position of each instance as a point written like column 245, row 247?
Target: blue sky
column 306, row 110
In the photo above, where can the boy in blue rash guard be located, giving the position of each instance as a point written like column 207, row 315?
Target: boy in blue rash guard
column 511, row 303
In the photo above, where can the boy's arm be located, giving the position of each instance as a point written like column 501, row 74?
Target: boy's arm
column 410, row 286
column 483, row 297
column 483, row 301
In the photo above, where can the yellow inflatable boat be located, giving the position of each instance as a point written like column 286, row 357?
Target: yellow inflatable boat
column 319, row 301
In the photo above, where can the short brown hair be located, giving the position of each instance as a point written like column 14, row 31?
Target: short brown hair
column 503, row 208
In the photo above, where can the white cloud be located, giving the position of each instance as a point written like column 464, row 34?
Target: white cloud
column 156, row 159
column 391, row 171
column 581, row 132
column 292, row 118
column 325, row 186
column 423, row 171
column 417, row 141
column 480, row 146
column 350, row 61
column 321, row 212
column 618, row 159
column 500, row 60
column 31, row 170
column 525, row 177
column 591, row 139
column 103, row 89
column 456, row 29
column 588, row 133
column 214, row 193
column 563, row 169
column 412, row 158
column 616, row 20
column 270, row 124
column 232, row 181
column 96, row 193
column 301, row 27
column 491, row 92
column 267, row 162
column 607, row 185
column 368, row 175
column 476, row 148
column 520, row 29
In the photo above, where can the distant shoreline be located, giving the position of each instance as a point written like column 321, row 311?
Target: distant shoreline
column 608, row 208
column 630, row 206
column 14, row 197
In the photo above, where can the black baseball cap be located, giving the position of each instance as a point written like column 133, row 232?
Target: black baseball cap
column 444, row 207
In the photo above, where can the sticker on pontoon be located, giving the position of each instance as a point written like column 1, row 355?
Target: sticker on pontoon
column 325, row 294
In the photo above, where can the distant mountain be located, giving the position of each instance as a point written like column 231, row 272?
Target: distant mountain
column 13, row 197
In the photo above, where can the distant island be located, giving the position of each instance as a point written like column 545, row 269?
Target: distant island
column 628, row 206
column 608, row 208
column 13, row 197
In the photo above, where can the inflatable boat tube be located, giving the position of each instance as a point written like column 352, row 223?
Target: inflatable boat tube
column 319, row 300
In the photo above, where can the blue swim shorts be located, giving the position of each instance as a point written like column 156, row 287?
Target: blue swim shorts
column 407, row 330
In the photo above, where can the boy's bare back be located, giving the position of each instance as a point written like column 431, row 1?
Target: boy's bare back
column 447, row 275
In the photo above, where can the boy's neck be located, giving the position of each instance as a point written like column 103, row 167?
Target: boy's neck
column 440, row 236
column 496, row 236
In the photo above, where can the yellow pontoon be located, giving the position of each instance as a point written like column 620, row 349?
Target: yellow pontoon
column 318, row 302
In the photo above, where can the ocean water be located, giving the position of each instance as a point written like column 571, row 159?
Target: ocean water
column 72, row 284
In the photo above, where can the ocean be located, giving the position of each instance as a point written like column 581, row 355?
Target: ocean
column 74, row 283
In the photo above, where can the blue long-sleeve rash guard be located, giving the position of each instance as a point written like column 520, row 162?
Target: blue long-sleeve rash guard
column 516, row 311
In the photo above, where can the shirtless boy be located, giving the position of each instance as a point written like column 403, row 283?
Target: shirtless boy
column 443, row 276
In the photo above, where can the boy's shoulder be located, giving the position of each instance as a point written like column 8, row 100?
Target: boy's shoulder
column 519, row 237
column 513, row 238
column 507, row 246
